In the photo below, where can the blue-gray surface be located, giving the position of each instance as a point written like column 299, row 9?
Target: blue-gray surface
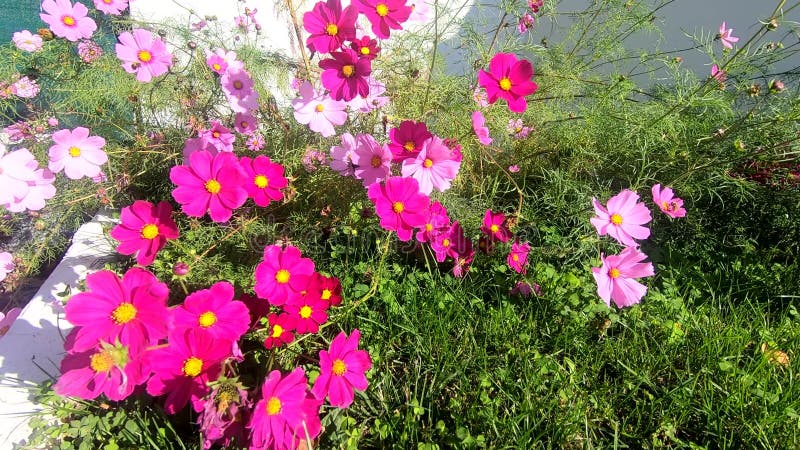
column 18, row 15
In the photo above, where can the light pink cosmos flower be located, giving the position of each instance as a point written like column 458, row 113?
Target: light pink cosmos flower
column 616, row 277
column 113, row 7
column 318, row 110
column 264, row 179
column 144, row 229
column 219, row 136
column 17, row 171
column 27, row 41
column 372, row 160
column 221, row 60
column 77, row 154
column 666, row 201
column 143, row 54
column 239, row 89
column 329, row 26
column 345, row 75
column 510, row 79
column 518, row 256
column 479, row 96
column 285, row 413
column 623, row 218
column 282, row 274
column 342, row 156
column 434, row 167
column 255, row 142
column 213, row 311
column 245, row 123
column 213, row 184
column 421, row 12
column 7, row 319
column 726, row 36
column 39, row 190
column 513, row 168
column 67, row 20
column 400, row 205
column 343, row 369
column 518, row 128
column 372, row 101
column 6, row 264
column 107, row 369
column 25, row 88
column 478, row 125
column 384, row 15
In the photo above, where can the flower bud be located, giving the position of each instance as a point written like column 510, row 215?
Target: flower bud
column 180, row 268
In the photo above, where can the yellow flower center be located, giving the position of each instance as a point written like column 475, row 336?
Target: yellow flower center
column 123, row 313
column 101, row 362
column 261, row 181
column 319, row 108
column 68, row 21
column 216, row 66
column 515, row 257
column 74, row 152
column 365, row 51
column 107, row 2
column 446, row 243
column 282, row 276
column 277, row 331
column 144, row 56
column 273, row 406
column 409, row 146
column 348, row 70
column 398, row 207
column 192, row 366
column 150, row 231
column 427, row 163
column 616, row 219
column 237, row 84
column 326, row 294
column 244, row 124
column 494, row 228
column 305, row 312
column 207, row 319
column 376, row 161
column 213, row 186
column 505, row 84
column 339, row 367
column 382, row 10
column 614, row 273
column 215, row 134
column 428, row 227
column 331, row 29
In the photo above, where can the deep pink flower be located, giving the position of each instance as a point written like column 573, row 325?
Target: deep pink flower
column 495, row 226
column 384, row 15
column 462, row 261
column 308, row 311
column 518, row 257
column 224, row 410
column 280, row 330
column 480, row 128
column 326, row 288
column 434, row 167
column 213, row 311
column 77, row 154
column 145, row 229
column 400, row 205
column 184, row 366
column 264, row 179
column 285, row 413
column 719, row 75
column 342, row 369
column 623, row 219
column 342, row 156
column 405, row 141
column 510, row 79
column 726, row 36
column 245, row 123
column 526, row 22
column 451, row 242
column 329, row 26
column 372, row 160
column 143, row 54
column 616, row 277
column 535, row 5
column 345, row 75
column 209, row 183
column 67, row 20
column 107, row 369
column 17, row 172
column 438, row 222
column 366, row 47
column 132, row 309
column 318, row 110
column 27, row 41
column 666, row 201
column 282, row 274
column 113, row 7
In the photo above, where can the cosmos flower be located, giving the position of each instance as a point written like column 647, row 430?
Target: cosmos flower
column 510, row 79
column 623, row 219
column 67, row 20
column 143, row 54
column 616, row 278
column 342, row 369
column 726, row 36
column 144, row 229
column 77, row 154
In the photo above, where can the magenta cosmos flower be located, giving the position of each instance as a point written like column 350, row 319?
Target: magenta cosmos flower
column 77, row 154
column 132, row 309
column 318, row 110
column 405, row 141
column 285, row 413
column 143, row 54
column 667, row 202
column 434, row 167
column 265, row 179
column 329, row 26
column 726, row 36
column 213, row 311
column 183, row 368
column 144, row 230
column 384, row 15
column 27, row 41
column 623, row 218
column 366, row 47
column 209, row 183
column 113, row 7
column 106, row 369
column 451, row 242
column 616, row 277
column 345, row 75
column 308, row 311
column 17, row 172
column 438, row 222
column 400, row 205
column 282, row 274
column 510, row 79
column 495, row 226
column 280, row 330
column 67, row 20
column 372, row 160
column 518, row 256
column 480, row 128
column 342, row 369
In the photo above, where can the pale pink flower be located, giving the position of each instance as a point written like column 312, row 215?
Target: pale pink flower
column 434, row 167
column 480, row 97
column 318, row 110
column 16, row 174
column 478, row 125
column 616, row 277
column 342, row 156
column 6, row 264
column 421, row 12
column 39, row 190
column 67, row 20
column 623, row 219
column 373, row 100
column 372, row 160
column 27, row 41
column 666, row 201
column 144, row 54
column 77, row 154
column 113, row 7
column 7, row 319
column 25, row 88
column 726, row 36
column 719, row 75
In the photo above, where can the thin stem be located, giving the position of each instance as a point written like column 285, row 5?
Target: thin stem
column 433, row 57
